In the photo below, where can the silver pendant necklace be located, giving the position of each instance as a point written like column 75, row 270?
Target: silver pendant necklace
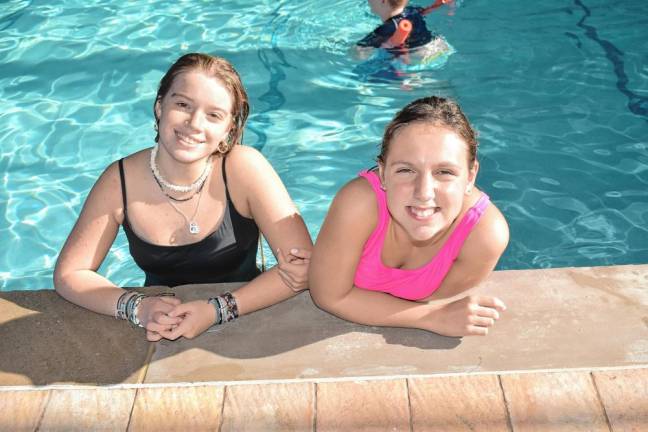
column 194, row 228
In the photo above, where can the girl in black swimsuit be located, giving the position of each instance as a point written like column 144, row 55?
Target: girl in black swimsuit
column 192, row 208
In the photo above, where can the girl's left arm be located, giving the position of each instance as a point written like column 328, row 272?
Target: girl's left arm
column 478, row 257
column 280, row 223
column 267, row 201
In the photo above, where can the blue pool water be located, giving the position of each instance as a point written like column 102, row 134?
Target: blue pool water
column 557, row 89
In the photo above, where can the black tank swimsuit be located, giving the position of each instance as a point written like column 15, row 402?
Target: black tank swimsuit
column 226, row 255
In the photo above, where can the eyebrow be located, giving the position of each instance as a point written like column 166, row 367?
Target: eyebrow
column 441, row 164
column 212, row 107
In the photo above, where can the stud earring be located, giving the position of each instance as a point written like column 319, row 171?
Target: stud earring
column 468, row 190
column 382, row 186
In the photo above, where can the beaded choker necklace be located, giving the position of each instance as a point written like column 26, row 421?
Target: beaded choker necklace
column 173, row 187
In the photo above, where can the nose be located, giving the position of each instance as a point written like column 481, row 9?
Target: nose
column 195, row 120
column 425, row 188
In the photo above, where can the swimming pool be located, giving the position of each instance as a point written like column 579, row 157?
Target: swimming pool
column 558, row 91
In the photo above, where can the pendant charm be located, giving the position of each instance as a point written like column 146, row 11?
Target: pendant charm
column 194, row 228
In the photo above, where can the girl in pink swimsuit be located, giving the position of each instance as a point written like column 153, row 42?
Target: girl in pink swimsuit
column 414, row 230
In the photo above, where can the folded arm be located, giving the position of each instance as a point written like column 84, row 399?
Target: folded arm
column 75, row 275
column 349, row 223
column 257, row 192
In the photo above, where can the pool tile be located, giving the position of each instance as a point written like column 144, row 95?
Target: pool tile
column 625, row 398
column 560, row 401
column 22, row 410
column 186, row 408
column 269, row 407
column 363, row 406
column 82, row 409
column 458, row 403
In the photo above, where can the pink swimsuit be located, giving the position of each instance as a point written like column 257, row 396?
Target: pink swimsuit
column 415, row 284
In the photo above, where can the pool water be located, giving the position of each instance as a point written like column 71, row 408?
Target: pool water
column 558, row 91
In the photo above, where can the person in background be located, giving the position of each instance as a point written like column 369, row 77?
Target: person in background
column 392, row 12
column 403, row 245
column 192, row 207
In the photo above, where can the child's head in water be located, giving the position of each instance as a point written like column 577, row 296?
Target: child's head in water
column 387, row 8
column 428, row 165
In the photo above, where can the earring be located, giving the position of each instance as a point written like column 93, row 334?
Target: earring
column 382, row 186
column 223, row 147
column 468, row 190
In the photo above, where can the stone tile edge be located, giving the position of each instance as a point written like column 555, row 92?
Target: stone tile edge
column 317, row 380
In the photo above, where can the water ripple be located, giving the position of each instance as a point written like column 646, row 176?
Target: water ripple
column 557, row 94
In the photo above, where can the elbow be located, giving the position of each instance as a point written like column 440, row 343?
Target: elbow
column 60, row 280
column 327, row 300
column 319, row 297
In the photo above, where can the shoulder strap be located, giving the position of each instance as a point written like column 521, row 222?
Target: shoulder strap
column 381, row 197
column 123, row 182
column 227, row 195
column 466, row 225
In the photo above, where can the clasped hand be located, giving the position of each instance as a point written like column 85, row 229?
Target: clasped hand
column 169, row 318
column 293, row 268
column 174, row 319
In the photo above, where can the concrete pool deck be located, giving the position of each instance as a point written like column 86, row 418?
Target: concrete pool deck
column 571, row 353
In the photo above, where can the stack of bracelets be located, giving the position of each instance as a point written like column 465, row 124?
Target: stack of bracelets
column 127, row 307
column 226, row 308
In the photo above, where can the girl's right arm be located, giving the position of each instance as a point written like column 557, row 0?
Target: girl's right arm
column 351, row 219
column 75, row 275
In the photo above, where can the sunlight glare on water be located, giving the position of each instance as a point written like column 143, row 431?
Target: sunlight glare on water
column 557, row 90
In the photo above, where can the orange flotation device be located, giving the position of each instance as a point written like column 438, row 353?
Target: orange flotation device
column 401, row 34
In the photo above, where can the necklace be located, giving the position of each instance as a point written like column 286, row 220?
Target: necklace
column 178, row 188
column 178, row 199
column 194, row 228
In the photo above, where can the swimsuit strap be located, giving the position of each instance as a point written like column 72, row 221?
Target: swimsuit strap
column 227, row 195
column 123, row 183
column 383, row 211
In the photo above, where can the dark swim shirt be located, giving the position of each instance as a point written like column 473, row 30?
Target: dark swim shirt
column 419, row 36
column 226, row 255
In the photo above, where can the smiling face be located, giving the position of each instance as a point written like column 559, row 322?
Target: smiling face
column 194, row 116
column 426, row 176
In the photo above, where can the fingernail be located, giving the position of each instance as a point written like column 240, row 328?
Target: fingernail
column 293, row 251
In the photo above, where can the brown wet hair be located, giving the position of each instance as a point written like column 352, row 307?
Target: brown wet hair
column 221, row 69
column 395, row 4
column 436, row 111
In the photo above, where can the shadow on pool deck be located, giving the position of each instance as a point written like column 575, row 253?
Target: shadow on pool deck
column 54, row 341
column 558, row 318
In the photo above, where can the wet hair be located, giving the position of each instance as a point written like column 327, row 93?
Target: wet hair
column 395, row 4
column 221, row 69
column 437, row 111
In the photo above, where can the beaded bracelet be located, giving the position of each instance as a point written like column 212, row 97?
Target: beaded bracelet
column 120, row 308
column 225, row 307
column 230, row 306
column 219, row 317
column 131, row 308
column 133, row 317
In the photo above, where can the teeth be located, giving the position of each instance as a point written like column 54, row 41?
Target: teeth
column 423, row 213
column 187, row 139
